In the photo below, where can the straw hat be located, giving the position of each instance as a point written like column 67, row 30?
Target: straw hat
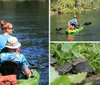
column 13, row 43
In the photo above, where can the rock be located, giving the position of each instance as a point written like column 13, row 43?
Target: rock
column 95, row 79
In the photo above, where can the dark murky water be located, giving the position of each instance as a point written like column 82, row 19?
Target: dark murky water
column 89, row 33
column 30, row 21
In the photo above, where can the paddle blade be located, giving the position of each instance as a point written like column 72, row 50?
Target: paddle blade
column 59, row 29
column 87, row 23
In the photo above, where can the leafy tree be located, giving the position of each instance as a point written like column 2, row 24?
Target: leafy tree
column 69, row 5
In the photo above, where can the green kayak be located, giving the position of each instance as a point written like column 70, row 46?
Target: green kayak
column 33, row 80
column 76, row 31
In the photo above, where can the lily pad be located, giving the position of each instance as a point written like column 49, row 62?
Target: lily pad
column 53, row 74
column 88, row 83
column 62, row 80
column 78, row 77
column 66, row 47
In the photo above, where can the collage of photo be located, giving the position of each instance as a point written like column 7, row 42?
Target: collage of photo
column 74, row 42
column 49, row 42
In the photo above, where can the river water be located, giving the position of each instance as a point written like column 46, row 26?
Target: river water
column 89, row 33
column 30, row 21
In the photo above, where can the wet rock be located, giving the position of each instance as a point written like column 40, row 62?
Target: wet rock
column 95, row 79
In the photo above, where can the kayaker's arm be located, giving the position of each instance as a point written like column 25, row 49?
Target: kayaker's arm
column 69, row 22
column 27, row 72
column 76, row 21
column 26, row 67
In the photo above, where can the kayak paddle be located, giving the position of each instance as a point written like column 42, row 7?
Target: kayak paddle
column 36, row 66
column 58, row 29
column 86, row 23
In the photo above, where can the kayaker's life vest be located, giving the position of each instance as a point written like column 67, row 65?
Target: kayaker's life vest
column 70, row 28
column 9, row 68
column 8, row 80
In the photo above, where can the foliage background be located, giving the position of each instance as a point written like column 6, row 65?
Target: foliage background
column 69, row 6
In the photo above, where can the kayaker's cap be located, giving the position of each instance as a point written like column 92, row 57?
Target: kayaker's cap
column 13, row 43
column 75, row 16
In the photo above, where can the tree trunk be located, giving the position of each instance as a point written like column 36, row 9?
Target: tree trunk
column 76, row 3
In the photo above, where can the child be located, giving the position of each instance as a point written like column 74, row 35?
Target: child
column 71, row 27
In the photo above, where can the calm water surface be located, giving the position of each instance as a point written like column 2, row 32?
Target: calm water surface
column 89, row 33
column 30, row 21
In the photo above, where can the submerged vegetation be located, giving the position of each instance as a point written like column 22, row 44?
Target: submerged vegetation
column 65, row 52
column 70, row 6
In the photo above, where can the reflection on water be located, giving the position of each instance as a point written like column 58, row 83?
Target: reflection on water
column 30, row 20
column 70, row 37
column 89, row 33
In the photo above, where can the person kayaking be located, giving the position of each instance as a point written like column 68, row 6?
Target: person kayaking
column 74, row 21
column 14, row 55
column 7, row 30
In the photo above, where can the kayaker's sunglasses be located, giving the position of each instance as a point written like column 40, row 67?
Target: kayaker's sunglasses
column 11, row 28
